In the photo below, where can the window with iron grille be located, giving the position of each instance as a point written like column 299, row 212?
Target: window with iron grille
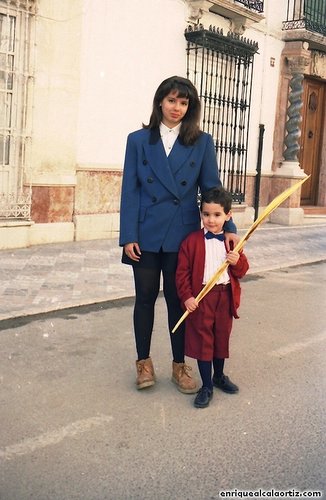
column 221, row 68
column 15, row 107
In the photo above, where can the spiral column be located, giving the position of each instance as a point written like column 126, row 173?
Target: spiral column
column 293, row 123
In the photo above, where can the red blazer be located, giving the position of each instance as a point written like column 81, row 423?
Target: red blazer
column 190, row 270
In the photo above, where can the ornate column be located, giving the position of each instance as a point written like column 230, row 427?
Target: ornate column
column 296, row 60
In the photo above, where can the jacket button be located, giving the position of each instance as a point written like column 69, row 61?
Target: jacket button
column 145, row 162
column 154, row 199
column 183, row 183
column 176, row 202
column 150, row 180
column 192, row 163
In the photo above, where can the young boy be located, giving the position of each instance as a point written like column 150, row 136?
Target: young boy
column 209, row 325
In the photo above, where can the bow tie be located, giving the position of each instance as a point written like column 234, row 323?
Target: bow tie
column 210, row 235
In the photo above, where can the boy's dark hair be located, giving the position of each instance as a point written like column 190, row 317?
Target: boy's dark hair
column 217, row 195
column 189, row 131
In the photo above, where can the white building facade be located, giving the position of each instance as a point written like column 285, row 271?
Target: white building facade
column 76, row 77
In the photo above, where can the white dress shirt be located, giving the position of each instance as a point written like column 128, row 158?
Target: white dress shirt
column 215, row 256
column 169, row 136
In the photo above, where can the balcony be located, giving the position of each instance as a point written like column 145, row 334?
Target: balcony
column 306, row 20
column 242, row 13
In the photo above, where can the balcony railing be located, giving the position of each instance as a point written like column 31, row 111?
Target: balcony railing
column 307, row 14
column 256, row 5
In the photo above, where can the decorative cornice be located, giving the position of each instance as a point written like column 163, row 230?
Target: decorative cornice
column 297, row 64
column 197, row 8
column 241, row 18
column 315, row 40
column 26, row 5
column 230, row 10
column 297, row 57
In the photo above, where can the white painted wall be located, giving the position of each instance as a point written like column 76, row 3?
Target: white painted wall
column 264, row 97
column 268, row 35
column 275, row 12
column 56, row 91
column 128, row 48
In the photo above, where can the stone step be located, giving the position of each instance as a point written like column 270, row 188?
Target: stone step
column 314, row 211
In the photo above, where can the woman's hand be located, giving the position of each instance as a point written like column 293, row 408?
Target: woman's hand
column 231, row 237
column 191, row 304
column 132, row 251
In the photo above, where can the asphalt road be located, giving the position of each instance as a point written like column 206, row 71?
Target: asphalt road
column 73, row 426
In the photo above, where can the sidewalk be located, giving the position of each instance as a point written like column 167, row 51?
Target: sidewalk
column 46, row 278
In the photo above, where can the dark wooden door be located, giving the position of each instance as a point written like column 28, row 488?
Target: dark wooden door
column 311, row 134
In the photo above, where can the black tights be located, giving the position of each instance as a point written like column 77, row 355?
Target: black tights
column 147, row 286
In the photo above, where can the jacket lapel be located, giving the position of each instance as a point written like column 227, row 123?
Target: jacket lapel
column 179, row 155
column 158, row 161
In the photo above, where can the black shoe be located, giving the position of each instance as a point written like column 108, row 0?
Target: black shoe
column 203, row 397
column 225, row 384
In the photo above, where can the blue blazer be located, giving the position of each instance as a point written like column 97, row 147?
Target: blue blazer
column 159, row 193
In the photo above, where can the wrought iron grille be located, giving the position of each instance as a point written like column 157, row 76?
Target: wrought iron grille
column 308, row 14
column 16, row 19
column 221, row 68
column 257, row 5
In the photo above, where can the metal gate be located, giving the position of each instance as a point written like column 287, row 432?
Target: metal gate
column 221, row 68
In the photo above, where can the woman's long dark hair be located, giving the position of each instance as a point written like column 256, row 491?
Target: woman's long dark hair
column 189, row 131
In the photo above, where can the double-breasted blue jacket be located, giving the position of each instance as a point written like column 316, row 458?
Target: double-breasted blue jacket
column 159, row 193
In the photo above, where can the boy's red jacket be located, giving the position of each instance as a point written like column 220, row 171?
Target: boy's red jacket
column 190, row 270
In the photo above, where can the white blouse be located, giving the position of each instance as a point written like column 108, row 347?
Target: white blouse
column 169, row 136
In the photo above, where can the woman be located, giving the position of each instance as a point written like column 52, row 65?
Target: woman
column 166, row 163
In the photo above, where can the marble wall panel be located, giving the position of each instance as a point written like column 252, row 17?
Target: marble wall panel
column 52, row 204
column 279, row 185
column 250, row 190
column 264, row 191
column 97, row 192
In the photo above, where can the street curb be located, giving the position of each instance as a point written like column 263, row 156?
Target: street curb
column 128, row 300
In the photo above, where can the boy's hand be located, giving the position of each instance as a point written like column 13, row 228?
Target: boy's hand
column 232, row 258
column 231, row 237
column 191, row 304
